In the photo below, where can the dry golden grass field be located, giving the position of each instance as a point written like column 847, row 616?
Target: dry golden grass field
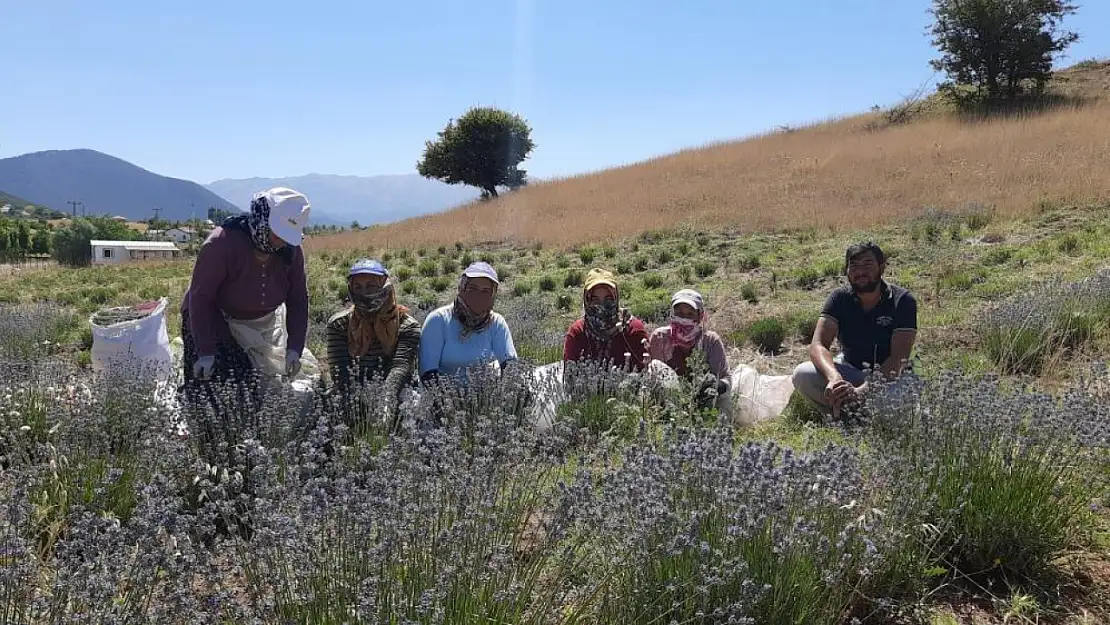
column 840, row 174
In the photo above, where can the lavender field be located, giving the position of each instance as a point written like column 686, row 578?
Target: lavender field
column 625, row 511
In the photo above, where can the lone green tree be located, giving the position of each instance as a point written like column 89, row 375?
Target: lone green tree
column 998, row 50
column 483, row 149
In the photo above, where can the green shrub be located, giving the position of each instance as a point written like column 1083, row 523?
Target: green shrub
column 704, row 268
column 831, row 269
column 539, row 354
column 522, row 288
column 652, row 280
column 807, row 277
column 609, row 252
column 956, row 280
column 465, row 260
column 561, row 261
column 422, row 252
column 1069, row 243
column 685, row 273
column 998, row 256
column 574, row 277
column 587, row 255
column 749, row 262
column 702, row 239
column 663, row 256
column 802, row 325
column 977, row 220
column 440, row 284
column 563, row 302
column 487, row 257
column 547, row 283
column 750, row 292
column 683, row 248
column 448, row 266
column 428, row 268
column 767, row 334
column 624, row 267
column 441, row 250
column 459, row 247
column 402, row 273
column 386, row 257
column 640, row 263
column 427, row 301
column 410, row 287
column 651, row 306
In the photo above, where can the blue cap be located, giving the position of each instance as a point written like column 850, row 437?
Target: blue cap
column 481, row 270
column 369, row 267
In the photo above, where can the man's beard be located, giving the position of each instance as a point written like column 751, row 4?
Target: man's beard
column 870, row 286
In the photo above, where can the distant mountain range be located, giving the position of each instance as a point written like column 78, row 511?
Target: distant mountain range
column 108, row 185
column 366, row 199
column 105, row 185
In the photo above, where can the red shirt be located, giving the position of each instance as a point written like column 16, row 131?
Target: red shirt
column 632, row 340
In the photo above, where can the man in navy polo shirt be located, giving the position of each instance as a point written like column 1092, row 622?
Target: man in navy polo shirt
column 875, row 323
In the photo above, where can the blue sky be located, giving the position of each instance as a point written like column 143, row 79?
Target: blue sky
column 205, row 90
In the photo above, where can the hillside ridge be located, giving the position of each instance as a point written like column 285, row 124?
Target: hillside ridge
column 845, row 173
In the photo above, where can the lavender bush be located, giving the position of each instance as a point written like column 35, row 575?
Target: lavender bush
column 250, row 503
column 1026, row 333
column 1002, row 477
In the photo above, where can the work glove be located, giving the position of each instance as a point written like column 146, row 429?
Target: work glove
column 708, row 389
column 203, row 367
column 292, row 363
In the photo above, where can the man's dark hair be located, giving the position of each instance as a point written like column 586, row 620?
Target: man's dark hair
column 858, row 249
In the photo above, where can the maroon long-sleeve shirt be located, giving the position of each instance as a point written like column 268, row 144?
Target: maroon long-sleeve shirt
column 229, row 278
column 633, row 340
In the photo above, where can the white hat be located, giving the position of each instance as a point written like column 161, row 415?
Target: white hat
column 289, row 212
column 689, row 297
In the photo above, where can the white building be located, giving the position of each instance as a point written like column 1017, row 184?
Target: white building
column 111, row 252
column 180, row 235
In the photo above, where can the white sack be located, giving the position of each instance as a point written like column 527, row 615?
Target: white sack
column 142, row 341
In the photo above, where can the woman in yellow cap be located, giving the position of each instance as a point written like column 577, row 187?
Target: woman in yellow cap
column 606, row 332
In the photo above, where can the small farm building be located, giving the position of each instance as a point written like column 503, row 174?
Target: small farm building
column 111, row 252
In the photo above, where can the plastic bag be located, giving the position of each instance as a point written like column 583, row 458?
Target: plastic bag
column 548, row 394
column 143, row 341
column 265, row 340
column 757, row 397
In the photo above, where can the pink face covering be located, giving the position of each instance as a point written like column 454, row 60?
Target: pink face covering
column 684, row 332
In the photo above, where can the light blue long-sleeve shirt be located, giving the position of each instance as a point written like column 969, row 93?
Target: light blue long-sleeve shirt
column 443, row 349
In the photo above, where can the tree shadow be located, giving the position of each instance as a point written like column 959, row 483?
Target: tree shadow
column 1026, row 106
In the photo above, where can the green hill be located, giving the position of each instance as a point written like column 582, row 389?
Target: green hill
column 18, row 205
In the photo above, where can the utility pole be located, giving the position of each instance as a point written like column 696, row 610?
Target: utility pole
column 74, row 204
column 156, row 211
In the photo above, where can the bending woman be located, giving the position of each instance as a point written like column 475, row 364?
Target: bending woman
column 245, row 271
column 374, row 338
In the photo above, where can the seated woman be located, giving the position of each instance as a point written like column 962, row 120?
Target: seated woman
column 606, row 332
column 674, row 343
column 467, row 332
column 373, row 338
